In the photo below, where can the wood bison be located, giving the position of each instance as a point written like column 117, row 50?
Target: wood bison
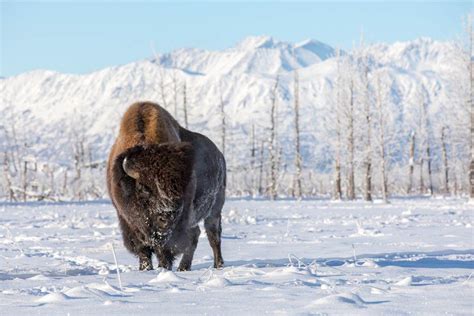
column 163, row 180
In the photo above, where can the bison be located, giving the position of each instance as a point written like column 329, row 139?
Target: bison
column 163, row 180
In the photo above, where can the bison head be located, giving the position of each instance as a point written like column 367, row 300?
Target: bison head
column 156, row 178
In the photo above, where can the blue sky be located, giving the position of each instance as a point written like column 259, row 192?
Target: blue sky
column 79, row 37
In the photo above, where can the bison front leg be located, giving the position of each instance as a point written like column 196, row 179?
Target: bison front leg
column 213, row 231
column 144, row 259
column 135, row 245
column 189, row 246
column 165, row 257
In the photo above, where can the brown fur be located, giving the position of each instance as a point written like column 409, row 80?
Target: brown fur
column 163, row 180
column 159, row 126
column 166, row 167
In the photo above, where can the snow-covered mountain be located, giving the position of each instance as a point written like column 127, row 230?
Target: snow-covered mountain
column 252, row 55
column 51, row 110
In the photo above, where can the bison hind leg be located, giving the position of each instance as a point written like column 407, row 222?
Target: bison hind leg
column 192, row 238
column 213, row 231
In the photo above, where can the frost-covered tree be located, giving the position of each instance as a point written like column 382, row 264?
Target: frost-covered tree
column 185, row 104
column 383, row 120
column 272, row 142
column 298, row 157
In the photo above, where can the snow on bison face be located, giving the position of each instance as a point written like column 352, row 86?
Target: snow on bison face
column 158, row 176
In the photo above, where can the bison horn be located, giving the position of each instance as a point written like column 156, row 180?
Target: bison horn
column 131, row 173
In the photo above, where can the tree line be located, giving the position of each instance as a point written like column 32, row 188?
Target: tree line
column 374, row 149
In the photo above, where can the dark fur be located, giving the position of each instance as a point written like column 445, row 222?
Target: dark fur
column 181, row 182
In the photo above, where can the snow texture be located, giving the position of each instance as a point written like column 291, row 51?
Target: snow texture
column 314, row 256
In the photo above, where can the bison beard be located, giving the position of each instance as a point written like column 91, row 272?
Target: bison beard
column 161, row 190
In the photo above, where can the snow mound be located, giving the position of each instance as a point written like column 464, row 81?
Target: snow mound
column 362, row 231
column 287, row 271
column 234, row 217
column 166, row 276
column 104, row 289
column 369, row 264
column 39, row 277
column 175, row 290
column 78, row 292
column 217, row 282
column 53, row 298
column 346, row 298
column 405, row 282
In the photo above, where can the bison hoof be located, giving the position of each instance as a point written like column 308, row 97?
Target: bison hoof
column 184, row 268
column 145, row 266
column 219, row 265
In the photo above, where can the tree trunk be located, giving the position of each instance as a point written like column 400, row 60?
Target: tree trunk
column 185, row 105
column 175, row 95
column 6, row 170
column 162, row 83
column 298, row 160
column 223, row 123
column 421, row 145
column 471, row 107
column 368, row 158
column 381, row 110
column 273, row 151
column 430, row 172
column 428, row 148
column 445, row 159
column 411, row 162
column 260, row 173
column 25, row 179
column 253, row 157
column 350, row 180
column 337, row 181
column 337, row 161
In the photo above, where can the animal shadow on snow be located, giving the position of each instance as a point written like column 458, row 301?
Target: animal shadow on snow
column 421, row 260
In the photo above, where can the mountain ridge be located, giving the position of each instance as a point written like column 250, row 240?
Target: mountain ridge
column 50, row 104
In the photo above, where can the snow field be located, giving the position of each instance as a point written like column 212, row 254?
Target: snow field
column 308, row 257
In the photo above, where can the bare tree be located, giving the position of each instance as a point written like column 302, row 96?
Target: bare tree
column 174, row 81
column 253, row 157
column 6, row 172
column 368, row 127
column 351, row 143
column 425, row 140
column 298, row 158
column 445, row 159
column 272, row 148
column 366, row 108
column 381, row 116
column 411, row 162
column 163, row 87
column 470, row 68
column 261, row 165
column 223, row 121
column 338, row 128
column 185, row 105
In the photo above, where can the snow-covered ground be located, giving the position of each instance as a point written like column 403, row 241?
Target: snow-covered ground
column 286, row 257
